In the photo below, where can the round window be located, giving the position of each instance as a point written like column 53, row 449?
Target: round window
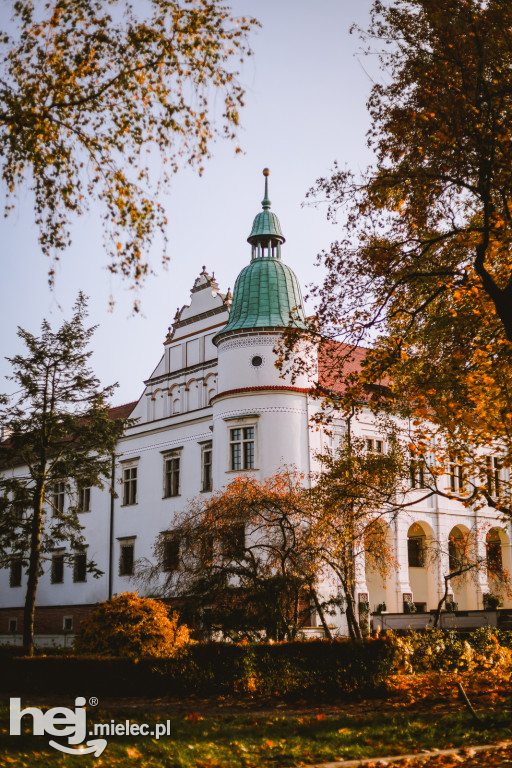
column 257, row 361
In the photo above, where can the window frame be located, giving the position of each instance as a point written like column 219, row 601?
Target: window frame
column 172, row 538
column 58, row 498
column 77, row 555
column 57, row 568
column 375, row 445
column 456, row 476
column 130, row 484
column 207, row 467
column 493, row 475
column 172, row 487
column 84, row 499
column 125, row 544
column 417, row 551
column 247, row 461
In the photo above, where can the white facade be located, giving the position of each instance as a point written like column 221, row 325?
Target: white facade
column 199, row 394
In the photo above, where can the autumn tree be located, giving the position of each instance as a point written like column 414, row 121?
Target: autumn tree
column 423, row 272
column 88, row 88
column 130, row 625
column 57, row 443
column 258, row 556
column 355, row 497
column 242, row 560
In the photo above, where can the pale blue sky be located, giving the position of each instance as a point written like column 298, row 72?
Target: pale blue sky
column 305, row 107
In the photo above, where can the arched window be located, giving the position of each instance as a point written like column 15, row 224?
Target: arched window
column 494, row 552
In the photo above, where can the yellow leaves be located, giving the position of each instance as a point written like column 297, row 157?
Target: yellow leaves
column 133, row 753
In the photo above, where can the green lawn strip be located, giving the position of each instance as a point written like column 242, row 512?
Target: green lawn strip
column 243, row 741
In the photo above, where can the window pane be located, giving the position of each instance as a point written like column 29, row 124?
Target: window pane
column 415, row 552
column 494, row 557
column 207, row 470
column 172, row 476
column 249, row 433
column 172, row 553
column 248, row 455
column 80, row 567
column 126, row 560
column 130, row 485
column 236, row 434
column 236, row 456
column 84, row 502
column 57, row 574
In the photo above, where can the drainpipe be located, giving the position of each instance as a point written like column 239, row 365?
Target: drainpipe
column 111, row 534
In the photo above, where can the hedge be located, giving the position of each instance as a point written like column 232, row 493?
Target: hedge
column 328, row 668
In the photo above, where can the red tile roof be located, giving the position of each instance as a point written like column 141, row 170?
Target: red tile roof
column 121, row 411
column 334, row 357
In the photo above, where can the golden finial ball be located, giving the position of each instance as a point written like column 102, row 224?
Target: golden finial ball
column 266, row 172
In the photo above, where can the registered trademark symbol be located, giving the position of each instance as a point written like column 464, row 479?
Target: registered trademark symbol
column 93, row 701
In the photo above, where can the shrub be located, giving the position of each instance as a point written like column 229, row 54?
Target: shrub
column 317, row 668
column 129, row 625
column 448, row 651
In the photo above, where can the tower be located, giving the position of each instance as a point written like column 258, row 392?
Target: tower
column 260, row 418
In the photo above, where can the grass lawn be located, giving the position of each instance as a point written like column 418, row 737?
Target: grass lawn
column 271, row 738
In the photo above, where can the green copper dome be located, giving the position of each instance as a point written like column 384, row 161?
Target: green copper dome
column 267, row 293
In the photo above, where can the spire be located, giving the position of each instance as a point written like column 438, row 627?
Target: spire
column 266, row 236
column 266, row 202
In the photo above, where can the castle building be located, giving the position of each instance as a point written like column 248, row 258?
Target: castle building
column 216, row 407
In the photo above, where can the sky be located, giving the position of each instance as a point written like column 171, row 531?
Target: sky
column 305, row 107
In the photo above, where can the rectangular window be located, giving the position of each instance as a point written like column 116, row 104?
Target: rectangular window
column 233, row 541
column 417, row 473
column 15, row 572
column 84, row 500
column 374, row 446
column 129, row 486
column 59, row 497
column 416, row 552
column 456, row 472
column 13, row 625
column 80, row 567
column 242, row 448
column 126, row 559
column 206, row 467
column 57, row 573
column 67, row 623
column 172, row 475
column 493, row 475
column 171, row 552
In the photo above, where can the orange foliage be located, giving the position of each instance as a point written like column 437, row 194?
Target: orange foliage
column 129, row 625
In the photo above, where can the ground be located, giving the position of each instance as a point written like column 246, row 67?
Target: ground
column 412, row 715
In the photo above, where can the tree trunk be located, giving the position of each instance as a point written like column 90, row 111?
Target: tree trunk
column 321, row 614
column 442, row 601
column 33, row 572
column 352, row 620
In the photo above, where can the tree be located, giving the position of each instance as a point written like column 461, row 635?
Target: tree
column 58, row 442
column 355, row 498
column 86, row 86
column 130, row 625
column 242, row 561
column 423, row 273
column 257, row 557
